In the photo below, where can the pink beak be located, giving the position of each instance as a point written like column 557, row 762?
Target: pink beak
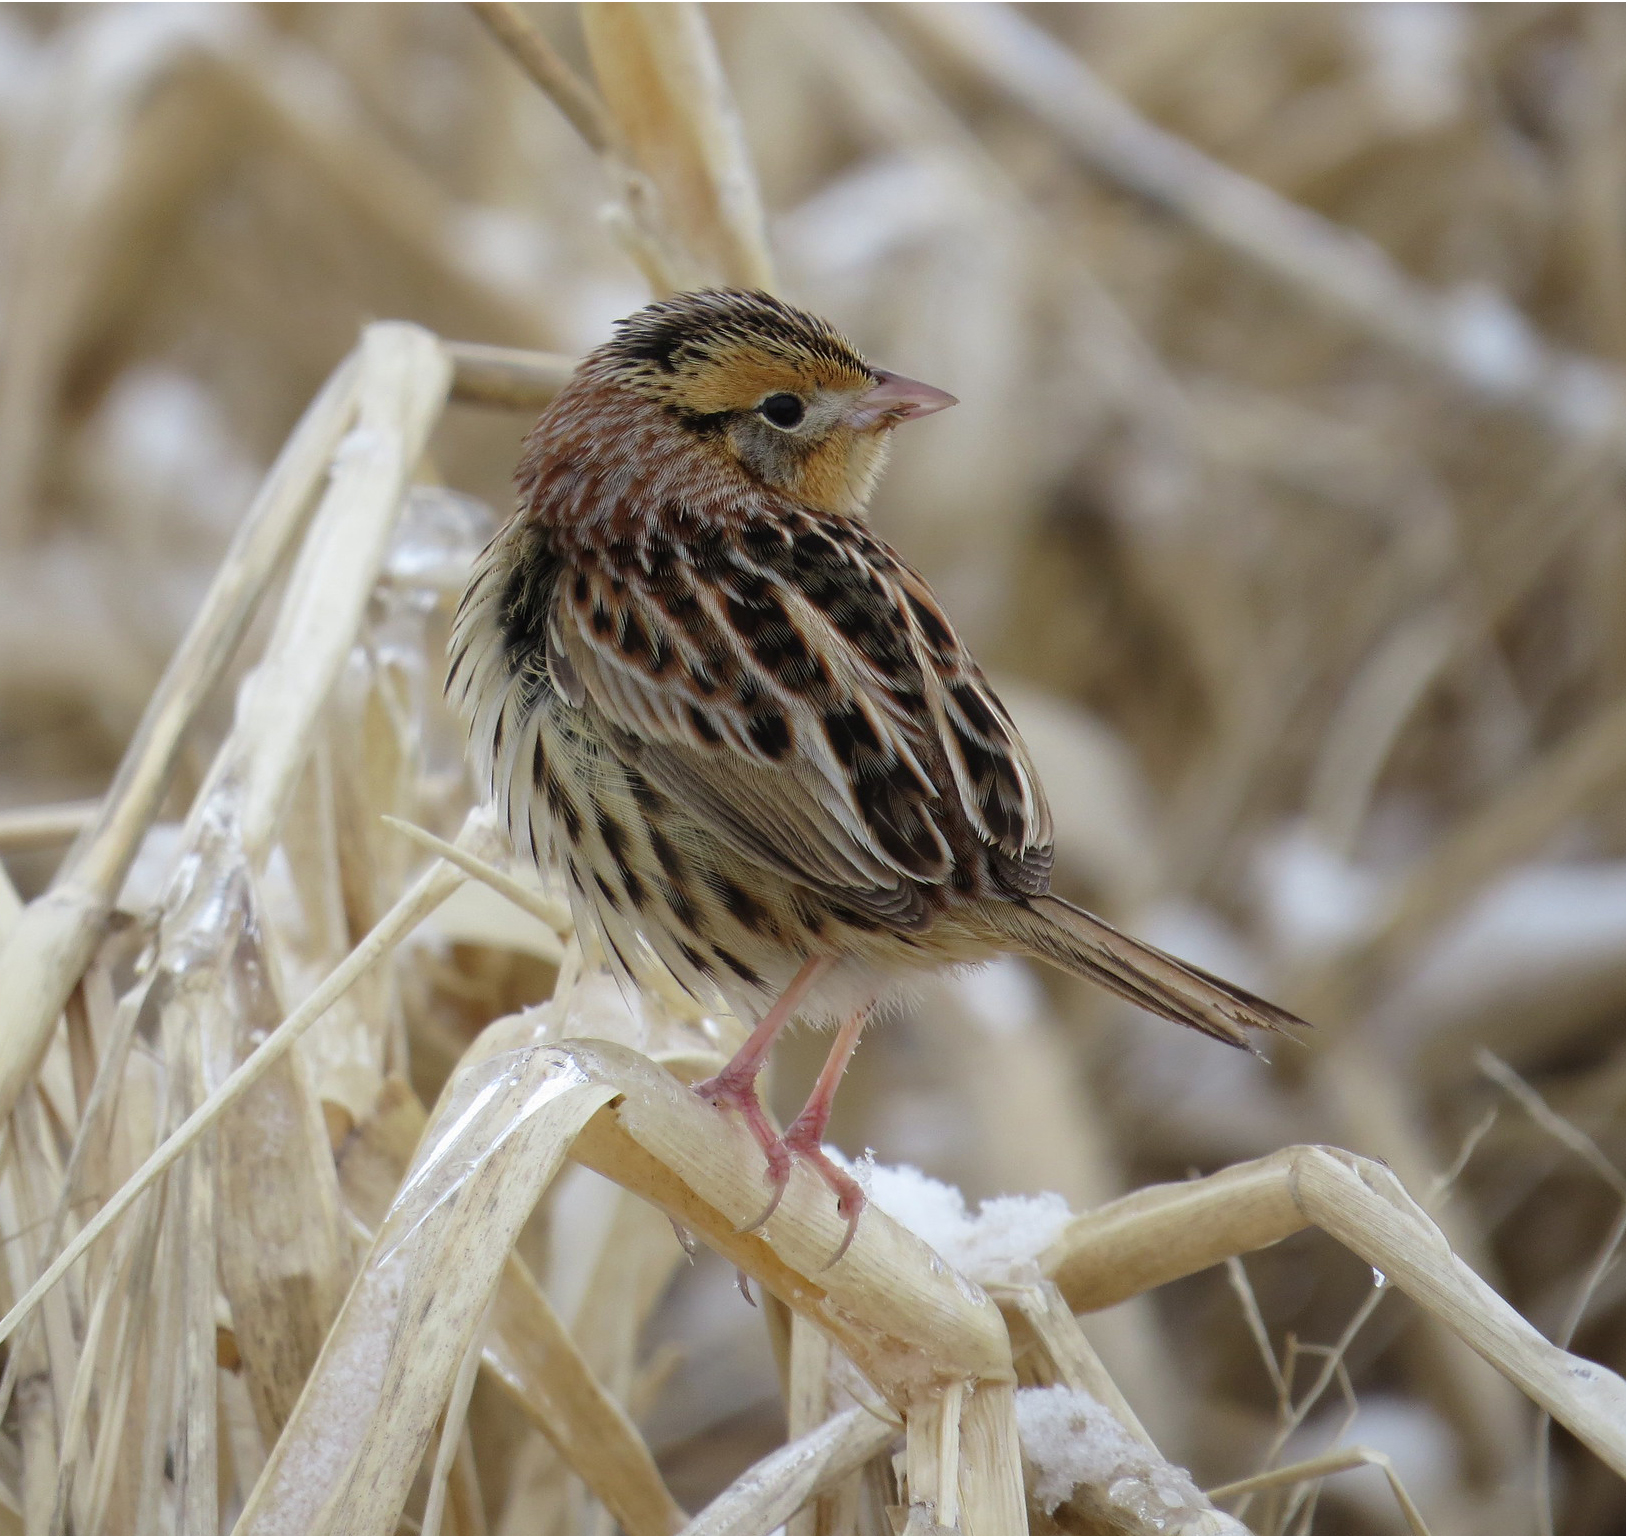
column 896, row 399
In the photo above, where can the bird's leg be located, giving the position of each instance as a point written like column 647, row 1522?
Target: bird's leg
column 736, row 1084
column 805, row 1137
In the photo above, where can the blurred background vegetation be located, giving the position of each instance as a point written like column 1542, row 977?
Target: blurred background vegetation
column 1284, row 499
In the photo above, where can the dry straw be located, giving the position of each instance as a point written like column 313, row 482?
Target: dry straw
column 342, row 1191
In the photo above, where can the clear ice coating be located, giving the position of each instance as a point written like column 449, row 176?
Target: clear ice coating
column 484, row 1105
column 437, row 538
column 425, row 568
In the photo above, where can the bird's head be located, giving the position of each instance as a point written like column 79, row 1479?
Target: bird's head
column 775, row 389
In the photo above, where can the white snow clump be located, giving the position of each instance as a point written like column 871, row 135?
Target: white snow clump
column 1069, row 1439
column 1000, row 1245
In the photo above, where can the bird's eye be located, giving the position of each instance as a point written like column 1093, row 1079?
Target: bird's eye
column 784, row 411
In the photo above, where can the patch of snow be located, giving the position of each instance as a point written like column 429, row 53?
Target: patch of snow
column 1000, row 1245
column 590, row 305
column 360, row 448
column 1225, row 1102
column 1420, row 1447
column 1099, row 802
column 119, row 47
column 1583, row 398
column 20, row 65
column 152, row 867
column 1069, row 1440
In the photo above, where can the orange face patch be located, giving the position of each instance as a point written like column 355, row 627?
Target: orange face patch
column 737, row 375
column 827, row 472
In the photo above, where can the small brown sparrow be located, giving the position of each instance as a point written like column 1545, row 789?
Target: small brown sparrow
column 741, row 725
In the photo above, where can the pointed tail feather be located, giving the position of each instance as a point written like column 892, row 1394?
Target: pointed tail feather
column 1051, row 929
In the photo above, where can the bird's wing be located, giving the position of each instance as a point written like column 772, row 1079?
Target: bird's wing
column 796, row 687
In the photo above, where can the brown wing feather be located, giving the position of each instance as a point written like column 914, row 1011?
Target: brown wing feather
column 799, row 687
column 996, row 782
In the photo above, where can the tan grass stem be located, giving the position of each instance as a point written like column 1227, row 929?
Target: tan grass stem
column 45, row 954
column 427, row 892
column 540, row 60
column 1162, row 1232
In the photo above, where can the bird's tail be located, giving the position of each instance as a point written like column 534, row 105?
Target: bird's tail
column 1048, row 928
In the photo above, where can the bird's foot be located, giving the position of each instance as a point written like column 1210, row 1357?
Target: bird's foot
column 804, row 1141
column 730, row 1090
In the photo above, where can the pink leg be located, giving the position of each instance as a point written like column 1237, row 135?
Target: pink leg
column 805, row 1138
column 736, row 1084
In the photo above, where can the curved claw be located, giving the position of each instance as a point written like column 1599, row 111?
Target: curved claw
column 849, row 1193
column 779, row 1185
column 852, row 1216
column 685, row 1239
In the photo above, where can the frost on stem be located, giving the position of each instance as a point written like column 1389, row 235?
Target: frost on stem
column 1071, row 1441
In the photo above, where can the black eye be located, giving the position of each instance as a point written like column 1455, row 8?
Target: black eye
column 782, row 410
